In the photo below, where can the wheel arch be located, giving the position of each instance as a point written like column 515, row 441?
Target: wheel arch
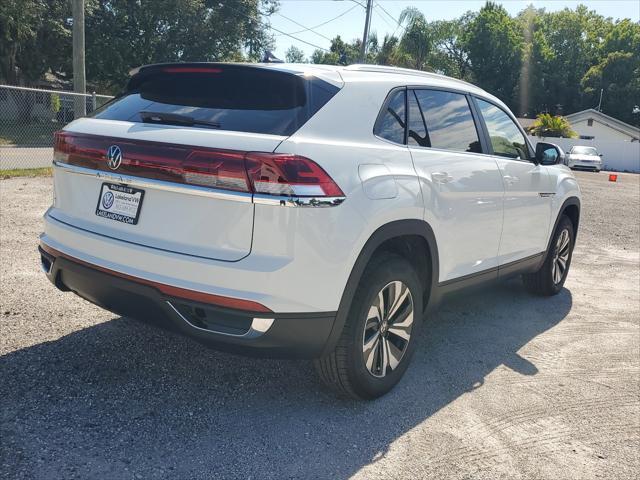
column 571, row 208
column 393, row 236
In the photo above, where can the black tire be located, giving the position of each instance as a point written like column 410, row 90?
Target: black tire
column 344, row 369
column 547, row 281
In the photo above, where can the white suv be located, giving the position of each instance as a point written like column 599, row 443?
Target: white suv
column 303, row 210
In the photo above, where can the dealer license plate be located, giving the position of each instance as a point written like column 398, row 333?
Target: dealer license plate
column 120, row 203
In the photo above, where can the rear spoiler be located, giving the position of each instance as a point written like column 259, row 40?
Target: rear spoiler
column 329, row 75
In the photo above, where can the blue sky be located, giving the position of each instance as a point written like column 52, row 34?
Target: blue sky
column 310, row 13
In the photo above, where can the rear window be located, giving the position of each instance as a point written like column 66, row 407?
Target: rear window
column 243, row 99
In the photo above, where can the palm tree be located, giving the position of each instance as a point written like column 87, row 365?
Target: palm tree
column 547, row 125
column 416, row 42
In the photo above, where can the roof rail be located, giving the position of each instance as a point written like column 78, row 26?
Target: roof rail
column 359, row 67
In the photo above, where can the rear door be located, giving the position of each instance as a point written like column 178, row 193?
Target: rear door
column 462, row 187
column 528, row 191
column 163, row 165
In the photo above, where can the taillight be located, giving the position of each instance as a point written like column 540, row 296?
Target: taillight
column 216, row 169
column 290, row 175
column 60, row 147
column 250, row 172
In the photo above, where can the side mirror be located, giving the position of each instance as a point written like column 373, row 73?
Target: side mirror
column 600, row 155
column 548, row 154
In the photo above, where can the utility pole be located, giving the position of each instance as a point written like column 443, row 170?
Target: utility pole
column 365, row 35
column 79, row 79
column 600, row 102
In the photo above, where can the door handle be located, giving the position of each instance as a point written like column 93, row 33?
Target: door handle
column 509, row 180
column 441, row 177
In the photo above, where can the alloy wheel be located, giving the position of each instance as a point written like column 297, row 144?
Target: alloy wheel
column 561, row 257
column 387, row 330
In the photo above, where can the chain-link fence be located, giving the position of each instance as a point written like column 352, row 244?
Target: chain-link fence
column 28, row 118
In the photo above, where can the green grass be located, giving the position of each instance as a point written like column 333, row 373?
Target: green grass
column 25, row 172
column 37, row 134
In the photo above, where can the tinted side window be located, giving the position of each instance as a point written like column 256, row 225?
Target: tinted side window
column 417, row 133
column 506, row 138
column 449, row 121
column 392, row 121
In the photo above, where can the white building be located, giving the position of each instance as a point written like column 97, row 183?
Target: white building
column 618, row 142
column 594, row 125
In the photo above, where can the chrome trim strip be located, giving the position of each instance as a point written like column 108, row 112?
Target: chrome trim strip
column 286, row 201
column 156, row 184
column 259, row 326
column 261, row 199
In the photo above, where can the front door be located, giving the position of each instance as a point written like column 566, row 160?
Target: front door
column 528, row 190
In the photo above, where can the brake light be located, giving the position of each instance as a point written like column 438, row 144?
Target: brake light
column 249, row 172
column 191, row 70
column 291, row 175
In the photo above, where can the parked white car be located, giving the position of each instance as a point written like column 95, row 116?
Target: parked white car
column 584, row 158
column 303, row 210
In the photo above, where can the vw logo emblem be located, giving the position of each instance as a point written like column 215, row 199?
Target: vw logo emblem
column 114, row 157
column 107, row 200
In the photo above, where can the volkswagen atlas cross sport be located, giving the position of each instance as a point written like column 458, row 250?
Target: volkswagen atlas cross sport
column 303, row 210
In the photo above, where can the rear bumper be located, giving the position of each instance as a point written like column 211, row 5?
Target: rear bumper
column 283, row 249
column 268, row 334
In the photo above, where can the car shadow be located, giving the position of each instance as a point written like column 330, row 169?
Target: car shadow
column 126, row 400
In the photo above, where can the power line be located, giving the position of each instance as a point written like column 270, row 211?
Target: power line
column 384, row 19
column 323, row 23
column 266, row 25
column 303, row 26
column 391, row 17
column 295, row 38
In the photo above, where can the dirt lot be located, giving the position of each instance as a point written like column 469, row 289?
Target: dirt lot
column 503, row 385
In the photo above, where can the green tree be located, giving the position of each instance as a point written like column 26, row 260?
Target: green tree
column 494, row 44
column 416, row 41
column 547, row 125
column 618, row 76
column 341, row 52
column 125, row 34
column 294, row 55
column 623, row 36
column 34, row 38
column 56, row 104
column 449, row 54
column 564, row 45
column 617, row 73
column 388, row 53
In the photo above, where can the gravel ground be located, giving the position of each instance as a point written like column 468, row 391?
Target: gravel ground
column 503, row 385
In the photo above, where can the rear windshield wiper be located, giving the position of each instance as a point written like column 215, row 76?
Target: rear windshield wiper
column 175, row 119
